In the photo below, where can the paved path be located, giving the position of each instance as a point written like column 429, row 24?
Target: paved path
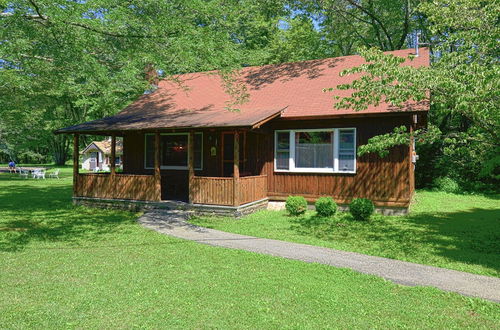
column 174, row 223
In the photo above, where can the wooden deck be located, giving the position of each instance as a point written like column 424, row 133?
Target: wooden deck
column 203, row 190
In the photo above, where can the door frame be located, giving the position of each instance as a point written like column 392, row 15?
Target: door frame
column 243, row 151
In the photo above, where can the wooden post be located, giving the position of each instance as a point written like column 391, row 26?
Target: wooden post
column 157, row 172
column 113, row 155
column 76, row 156
column 412, row 152
column 191, row 166
column 236, row 169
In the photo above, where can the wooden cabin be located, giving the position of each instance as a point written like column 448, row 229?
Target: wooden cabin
column 181, row 142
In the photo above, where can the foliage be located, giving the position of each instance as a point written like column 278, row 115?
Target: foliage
column 64, row 62
column 463, row 81
column 297, row 40
column 296, row 205
column 361, row 209
column 325, row 206
column 348, row 24
column 446, row 184
column 444, row 230
column 79, row 261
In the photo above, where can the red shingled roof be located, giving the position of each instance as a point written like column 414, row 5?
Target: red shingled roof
column 289, row 89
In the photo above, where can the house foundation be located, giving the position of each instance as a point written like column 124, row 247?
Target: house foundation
column 196, row 209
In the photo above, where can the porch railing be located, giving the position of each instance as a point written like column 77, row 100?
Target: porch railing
column 252, row 188
column 220, row 190
column 119, row 186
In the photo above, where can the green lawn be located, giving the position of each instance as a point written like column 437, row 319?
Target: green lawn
column 460, row 232
column 73, row 267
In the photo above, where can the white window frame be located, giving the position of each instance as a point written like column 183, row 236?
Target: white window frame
column 336, row 144
column 164, row 167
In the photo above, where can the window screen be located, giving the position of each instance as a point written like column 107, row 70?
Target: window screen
column 174, row 150
column 347, row 150
column 150, row 151
column 314, row 149
column 282, row 150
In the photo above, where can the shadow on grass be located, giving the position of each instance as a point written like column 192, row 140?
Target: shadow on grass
column 45, row 213
column 470, row 237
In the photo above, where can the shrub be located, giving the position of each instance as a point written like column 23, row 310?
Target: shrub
column 361, row 208
column 296, row 205
column 325, row 206
column 446, row 184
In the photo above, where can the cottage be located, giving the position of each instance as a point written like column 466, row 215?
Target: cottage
column 97, row 155
column 182, row 143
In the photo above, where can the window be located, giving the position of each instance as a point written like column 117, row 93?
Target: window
column 149, row 151
column 316, row 150
column 347, row 150
column 174, row 151
column 282, row 150
column 198, row 151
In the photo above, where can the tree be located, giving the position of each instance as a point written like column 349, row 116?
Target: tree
column 464, row 86
column 349, row 24
column 65, row 62
column 297, row 40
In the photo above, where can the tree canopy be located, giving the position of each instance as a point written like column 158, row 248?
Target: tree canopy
column 65, row 62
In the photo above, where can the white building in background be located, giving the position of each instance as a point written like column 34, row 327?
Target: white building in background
column 97, row 155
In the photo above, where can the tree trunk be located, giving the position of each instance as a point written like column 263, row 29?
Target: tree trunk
column 60, row 149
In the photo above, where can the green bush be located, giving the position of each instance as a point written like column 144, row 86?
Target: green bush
column 361, row 208
column 296, row 205
column 446, row 184
column 325, row 206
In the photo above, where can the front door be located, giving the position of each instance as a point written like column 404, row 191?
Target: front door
column 228, row 153
column 94, row 160
column 175, row 186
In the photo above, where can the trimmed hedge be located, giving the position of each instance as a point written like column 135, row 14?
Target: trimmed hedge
column 361, row 209
column 296, row 205
column 325, row 206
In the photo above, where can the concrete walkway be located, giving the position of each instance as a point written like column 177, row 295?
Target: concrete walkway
column 174, row 223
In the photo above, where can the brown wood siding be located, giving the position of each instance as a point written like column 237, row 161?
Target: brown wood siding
column 387, row 181
column 119, row 186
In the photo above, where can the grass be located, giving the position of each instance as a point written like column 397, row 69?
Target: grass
column 460, row 232
column 72, row 267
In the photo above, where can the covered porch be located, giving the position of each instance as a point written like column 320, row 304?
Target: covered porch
column 226, row 180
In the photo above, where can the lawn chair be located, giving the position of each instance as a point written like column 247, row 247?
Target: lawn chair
column 55, row 174
column 23, row 173
column 39, row 174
